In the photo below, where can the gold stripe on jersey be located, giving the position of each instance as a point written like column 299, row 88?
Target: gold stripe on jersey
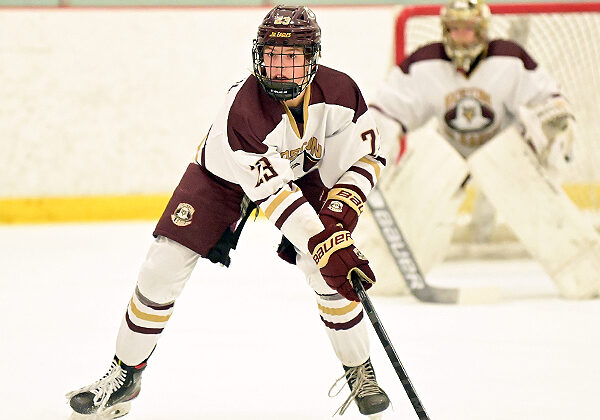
column 276, row 202
column 338, row 311
column 198, row 149
column 147, row 317
column 305, row 103
column 373, row 163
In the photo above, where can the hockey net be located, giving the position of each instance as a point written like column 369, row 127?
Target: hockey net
column 565, row 39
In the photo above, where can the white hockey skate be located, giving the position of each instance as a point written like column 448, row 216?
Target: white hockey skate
column 369, row 397
column 109, row 397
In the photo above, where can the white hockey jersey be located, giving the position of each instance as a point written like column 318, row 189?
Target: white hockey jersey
column 256, row 143
column 470, row 108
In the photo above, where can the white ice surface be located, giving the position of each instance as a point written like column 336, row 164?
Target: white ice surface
column 247, row 343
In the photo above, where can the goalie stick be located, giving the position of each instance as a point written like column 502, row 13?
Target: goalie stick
column 387, row 345
column 406, row 263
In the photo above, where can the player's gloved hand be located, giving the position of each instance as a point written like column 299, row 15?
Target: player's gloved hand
column 333, row 251
column 343, row 205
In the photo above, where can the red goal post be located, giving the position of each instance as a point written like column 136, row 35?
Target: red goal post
column 409, row 12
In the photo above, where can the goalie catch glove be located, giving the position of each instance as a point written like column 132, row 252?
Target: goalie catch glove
column 333, row 251
column 549, row 131
column 344, row 205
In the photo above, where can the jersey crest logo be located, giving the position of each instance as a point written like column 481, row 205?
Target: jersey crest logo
column 183, row 214
column 310, row 152
column 469, row 116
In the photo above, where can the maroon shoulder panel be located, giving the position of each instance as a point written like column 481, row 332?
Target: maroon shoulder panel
column 501, row 47
column 252, row 116
column 334, row 87
column 434, row 51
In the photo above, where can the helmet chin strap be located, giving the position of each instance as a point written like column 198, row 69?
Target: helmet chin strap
column 282, row 91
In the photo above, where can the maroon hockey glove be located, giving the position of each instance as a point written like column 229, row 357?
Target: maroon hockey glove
column 344, row 204
column 334, row 253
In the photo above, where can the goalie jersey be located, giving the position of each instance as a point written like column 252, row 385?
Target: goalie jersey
column 256, row 145
column 470, row 108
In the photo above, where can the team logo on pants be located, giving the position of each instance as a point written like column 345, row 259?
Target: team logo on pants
column 183, row 215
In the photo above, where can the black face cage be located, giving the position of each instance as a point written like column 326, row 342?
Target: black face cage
column 302, row 75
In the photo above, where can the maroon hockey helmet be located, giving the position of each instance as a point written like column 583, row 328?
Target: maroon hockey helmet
column 288, row 26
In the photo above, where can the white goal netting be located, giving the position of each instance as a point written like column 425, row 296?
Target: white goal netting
column 565, row 39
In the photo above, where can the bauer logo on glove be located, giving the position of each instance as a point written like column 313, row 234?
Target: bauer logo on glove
column 334, row 252
column 322, row 251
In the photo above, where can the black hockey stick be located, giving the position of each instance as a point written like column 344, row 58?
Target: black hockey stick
column 387, row 345
column 406, row 263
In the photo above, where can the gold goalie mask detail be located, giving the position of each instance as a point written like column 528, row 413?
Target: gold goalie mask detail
column 473, row 14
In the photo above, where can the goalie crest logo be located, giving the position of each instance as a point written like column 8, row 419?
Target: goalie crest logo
column 183, row 214
column 469, row 116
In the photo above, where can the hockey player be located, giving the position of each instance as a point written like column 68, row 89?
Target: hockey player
column 470, row 89
column 296, row 140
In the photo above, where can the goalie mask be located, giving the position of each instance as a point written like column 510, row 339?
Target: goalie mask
column 469, row 14
column 286, row 50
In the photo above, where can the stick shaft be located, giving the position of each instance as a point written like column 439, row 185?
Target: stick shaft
column 389, row 348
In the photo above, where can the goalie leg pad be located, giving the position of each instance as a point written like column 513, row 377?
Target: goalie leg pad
column 424, row 194
column 539, row 212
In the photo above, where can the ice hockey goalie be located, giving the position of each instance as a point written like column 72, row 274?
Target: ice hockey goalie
column 488, row 116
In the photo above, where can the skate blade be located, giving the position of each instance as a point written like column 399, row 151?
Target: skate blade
column 114, row 412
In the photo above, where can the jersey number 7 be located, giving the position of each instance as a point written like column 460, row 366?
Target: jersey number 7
column 369, row 135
